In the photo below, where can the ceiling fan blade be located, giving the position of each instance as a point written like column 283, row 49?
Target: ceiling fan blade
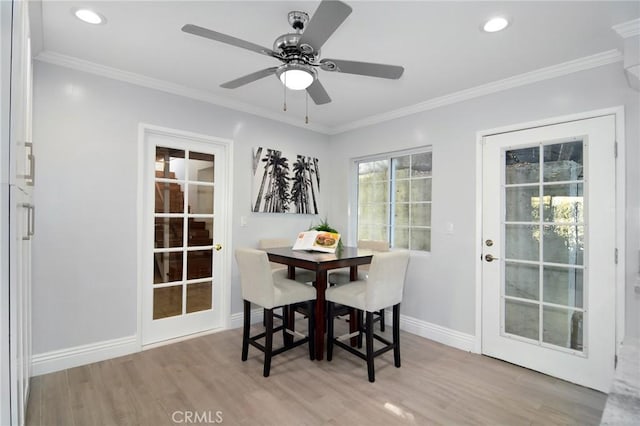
column 362, row 68
column 249, row 78
column 223, row 38
column 326, row 19
column 318, row 94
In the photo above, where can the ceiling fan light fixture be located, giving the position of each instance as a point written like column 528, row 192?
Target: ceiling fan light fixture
column 295, row 76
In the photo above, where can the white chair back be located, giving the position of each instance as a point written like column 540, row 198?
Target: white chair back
column 256, row 279
column 268, row 243
column 373, row 245
column 385, row 282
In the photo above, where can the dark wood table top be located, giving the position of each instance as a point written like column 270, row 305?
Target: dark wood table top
column 314, row 260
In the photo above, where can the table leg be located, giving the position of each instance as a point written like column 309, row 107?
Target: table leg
column 321, row 286
column 353, row 317
column 291, row 313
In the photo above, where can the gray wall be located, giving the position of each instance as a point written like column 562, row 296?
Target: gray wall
column 84, row 278
column 84, row 256
column 440, row 287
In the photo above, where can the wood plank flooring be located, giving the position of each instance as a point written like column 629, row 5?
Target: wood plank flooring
column 203, row 380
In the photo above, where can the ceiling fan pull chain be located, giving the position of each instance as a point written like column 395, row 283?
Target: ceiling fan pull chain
column 306, row 106
column 285, row 92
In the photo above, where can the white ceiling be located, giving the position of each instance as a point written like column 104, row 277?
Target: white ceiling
column 440, row 44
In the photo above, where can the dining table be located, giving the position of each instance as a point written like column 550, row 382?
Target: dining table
column 321, row 263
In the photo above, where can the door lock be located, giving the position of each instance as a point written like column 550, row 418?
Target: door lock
column 218, row 247
column 489, row 243
column 490, row 258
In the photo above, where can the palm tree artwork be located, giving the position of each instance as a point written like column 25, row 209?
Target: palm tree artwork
column 281, row 188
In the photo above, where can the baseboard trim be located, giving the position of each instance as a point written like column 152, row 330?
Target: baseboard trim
column 50, row 362
column 53, row 361
column 437, row 333
column 237, row 319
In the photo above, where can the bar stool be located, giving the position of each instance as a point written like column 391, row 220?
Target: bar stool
column 382, row 288
column 342, row 276
column 271, row 289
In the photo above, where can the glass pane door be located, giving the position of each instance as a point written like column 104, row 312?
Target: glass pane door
column 184, row 233
column 543, row 228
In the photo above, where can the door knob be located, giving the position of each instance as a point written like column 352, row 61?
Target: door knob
column 218, row 247
column 490, row 258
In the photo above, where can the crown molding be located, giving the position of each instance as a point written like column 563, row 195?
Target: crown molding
column 565, row 68
column 168, row 87
column 576, row 65
column 628, row 29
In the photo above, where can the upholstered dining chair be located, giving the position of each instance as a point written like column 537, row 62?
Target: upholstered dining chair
column 302, row 275
column 382, row 288
column 342, row 276
column 271, row 289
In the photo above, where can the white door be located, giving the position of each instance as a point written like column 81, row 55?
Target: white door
column 184, row 235
column 548, row 294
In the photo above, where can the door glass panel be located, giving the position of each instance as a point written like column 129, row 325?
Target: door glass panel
column 169, row 197
column 522, row 242
column 169, row 163
column 167, row 267
column 563, row 286
column 199, row 297
column 564, row 244
column 564, row 203
column 522, row 280
column 562, row 327
column 563, row 162
column 167, row 301
column 562, row 226
column 199, row 264
column 201, row 167
column 521, row 319
column 200, row 199
column 522, row 165
column 200, row 232
column 168, row 232
column 373, row 171
column 522, row 203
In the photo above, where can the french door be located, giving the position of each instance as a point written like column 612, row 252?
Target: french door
column 184, row 277
column 548, row 275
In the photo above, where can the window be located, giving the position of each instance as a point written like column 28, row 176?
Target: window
column 394, row 199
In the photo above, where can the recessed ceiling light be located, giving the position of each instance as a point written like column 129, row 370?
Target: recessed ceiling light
column 495, row 24
column 89, row 16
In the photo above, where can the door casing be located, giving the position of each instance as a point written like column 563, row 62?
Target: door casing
column 618, row 112
column 145, row 129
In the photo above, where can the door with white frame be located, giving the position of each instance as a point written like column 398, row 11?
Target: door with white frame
column 185, row 213
column 549, row 232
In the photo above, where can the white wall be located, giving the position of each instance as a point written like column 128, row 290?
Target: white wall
column 84, row 254
column 440, row 287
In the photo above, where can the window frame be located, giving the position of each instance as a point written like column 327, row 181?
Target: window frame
column 354, row 187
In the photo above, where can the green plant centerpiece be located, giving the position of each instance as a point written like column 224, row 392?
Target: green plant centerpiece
column 325, row 227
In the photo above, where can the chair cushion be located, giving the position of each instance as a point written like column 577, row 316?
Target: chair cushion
column 289, row 291
column 343, row 276
column 350, row 294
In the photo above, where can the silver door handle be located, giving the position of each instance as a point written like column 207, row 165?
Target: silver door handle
column 30, row 221
column 490, row 258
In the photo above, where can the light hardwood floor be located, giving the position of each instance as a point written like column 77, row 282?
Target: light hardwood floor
column 205, row 377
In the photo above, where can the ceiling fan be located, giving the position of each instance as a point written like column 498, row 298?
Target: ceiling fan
column 299, row 51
